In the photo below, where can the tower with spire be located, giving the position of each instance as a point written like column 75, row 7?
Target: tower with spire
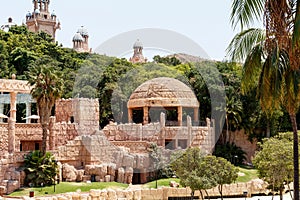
column 138, row 53
column 41, row 19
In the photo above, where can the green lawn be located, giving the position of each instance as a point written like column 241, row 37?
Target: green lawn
column 161, row 182
column 248, row 174
column 64, row 187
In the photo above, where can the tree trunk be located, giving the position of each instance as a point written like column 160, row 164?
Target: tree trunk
column 201, row 194
column 220, row 187
column 192, row 194
column 268, row 129
column 227, row 131
column 44, row 112
column 280, row 194
column 44, row 138
column 206, row 194
column 296, row 156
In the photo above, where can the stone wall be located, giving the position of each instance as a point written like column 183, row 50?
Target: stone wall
column 82, row 111
column 162, row 193
column 4, row 138
column 241, row 140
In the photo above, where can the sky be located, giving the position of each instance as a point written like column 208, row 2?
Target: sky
column 206, row 22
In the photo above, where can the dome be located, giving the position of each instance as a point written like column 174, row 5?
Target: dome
column 83, row 31
column 137, row 44
column 77, row 37
column 37, row 11
column 28, row 14
column 163, row 91
column 53, row 13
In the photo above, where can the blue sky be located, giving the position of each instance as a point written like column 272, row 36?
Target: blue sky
column 204, row 21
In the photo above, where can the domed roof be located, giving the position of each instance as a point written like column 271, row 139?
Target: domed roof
column 137, row 44
column 163, row 91
column 77, row 37
column 83, row 31
column 28, row 14
column 37, row 11
column 53, row 13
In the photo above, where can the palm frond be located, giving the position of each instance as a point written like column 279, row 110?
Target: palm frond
column 272, row 82
column 244, row 12
column 252, row 68
column 242, row 44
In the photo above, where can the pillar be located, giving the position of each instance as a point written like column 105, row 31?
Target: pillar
column 1, row 111
column 196, row 116
column 189, row 128
column 145, row 115
column 179, row 112
column 129, row 115
column 28, row 112
column 12, row 122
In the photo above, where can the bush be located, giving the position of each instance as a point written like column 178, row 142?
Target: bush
column 39, row 169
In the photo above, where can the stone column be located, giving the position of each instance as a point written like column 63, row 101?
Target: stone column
column 179, row 112
column 129, row 115
column 12, row 122
column 196, row 116
column 146, row 115
column 1, row 111
column 28, row 112
column 189, row 127
column 41, row 6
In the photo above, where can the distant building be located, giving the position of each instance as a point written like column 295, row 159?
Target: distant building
column 41, row 19
column 7, row 26
column 138, row 53
column 81, row 40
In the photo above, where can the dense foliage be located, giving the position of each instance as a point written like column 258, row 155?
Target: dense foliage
column 274, row 161
column 40, row 169
column 201, row 172
column 112, row 80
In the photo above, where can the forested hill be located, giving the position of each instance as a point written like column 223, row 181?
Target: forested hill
column 112, row 80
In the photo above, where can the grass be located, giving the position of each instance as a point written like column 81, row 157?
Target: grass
column 161, row 182
column 64, row 187
column 248, row 174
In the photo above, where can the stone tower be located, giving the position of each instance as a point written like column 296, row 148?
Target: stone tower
column 138, row 53
column 41, row 19
column 81, row 40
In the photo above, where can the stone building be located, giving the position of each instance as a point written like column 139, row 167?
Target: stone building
column 159, row 112
column 81, row 40
column 41, row 19
column 138, row 56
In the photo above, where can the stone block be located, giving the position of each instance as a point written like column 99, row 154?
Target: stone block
column 80, row 174
column 2, row 190
column 121, row 174
column 107, row 178
column 86, row 178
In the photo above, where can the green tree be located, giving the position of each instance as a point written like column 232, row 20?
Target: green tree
column 159, row 162
column 274, row 161
column 224, row 172
column 186, row 164
column 271, row 58
column 40, row 169
column 45, row 77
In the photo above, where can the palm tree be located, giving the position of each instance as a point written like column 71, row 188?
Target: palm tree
column 47, row 83
column 271, row 57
